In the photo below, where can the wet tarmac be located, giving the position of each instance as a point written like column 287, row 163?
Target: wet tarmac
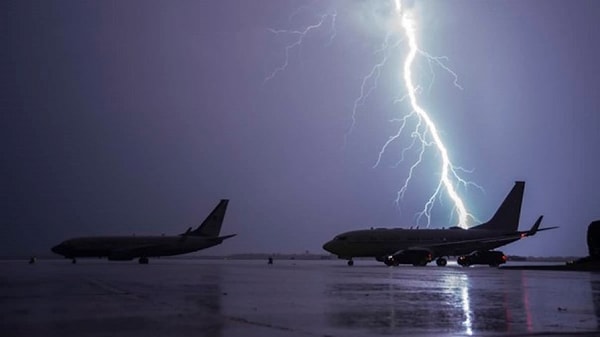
column 291, row 298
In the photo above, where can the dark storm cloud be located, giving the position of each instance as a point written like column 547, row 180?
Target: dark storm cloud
column 136, row 117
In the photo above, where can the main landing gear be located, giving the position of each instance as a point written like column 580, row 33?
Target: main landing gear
column 143, row 260
column 441, row 262
column 350, row 263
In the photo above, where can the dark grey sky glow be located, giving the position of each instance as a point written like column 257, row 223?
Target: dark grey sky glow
column 121, row 117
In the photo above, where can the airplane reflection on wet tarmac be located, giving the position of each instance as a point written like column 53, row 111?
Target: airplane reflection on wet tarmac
column 469, row 303
column 472, row 302
column 291, row 298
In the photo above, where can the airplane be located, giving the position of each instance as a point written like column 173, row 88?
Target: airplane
column 420, row 246
column 124, row 248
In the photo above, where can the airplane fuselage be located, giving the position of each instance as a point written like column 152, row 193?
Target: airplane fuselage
column 130, row 247
column 382, row 242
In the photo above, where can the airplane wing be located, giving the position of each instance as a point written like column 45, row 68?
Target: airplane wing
column 536, row 228
column 219, row 239
column 460, row 247
column 464, row 247
column 135, row 251
column 467, row 246
column 226, row 237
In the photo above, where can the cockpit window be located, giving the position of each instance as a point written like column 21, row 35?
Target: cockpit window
column 341, row 238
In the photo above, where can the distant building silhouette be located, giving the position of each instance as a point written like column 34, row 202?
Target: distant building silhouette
column 593, row 240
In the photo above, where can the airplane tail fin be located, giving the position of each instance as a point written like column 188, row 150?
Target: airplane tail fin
column 506, row 218
column 211, row 226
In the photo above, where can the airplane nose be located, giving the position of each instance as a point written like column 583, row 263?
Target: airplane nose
column 58, row 249
column 329, row 246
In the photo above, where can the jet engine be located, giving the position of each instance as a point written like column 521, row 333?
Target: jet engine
column 491, row 258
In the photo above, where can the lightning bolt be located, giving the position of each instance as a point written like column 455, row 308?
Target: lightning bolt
column 424, row 134
column 300, row 35
column 369, row 82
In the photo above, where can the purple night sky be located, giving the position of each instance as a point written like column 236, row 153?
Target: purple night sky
column 123, row 117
